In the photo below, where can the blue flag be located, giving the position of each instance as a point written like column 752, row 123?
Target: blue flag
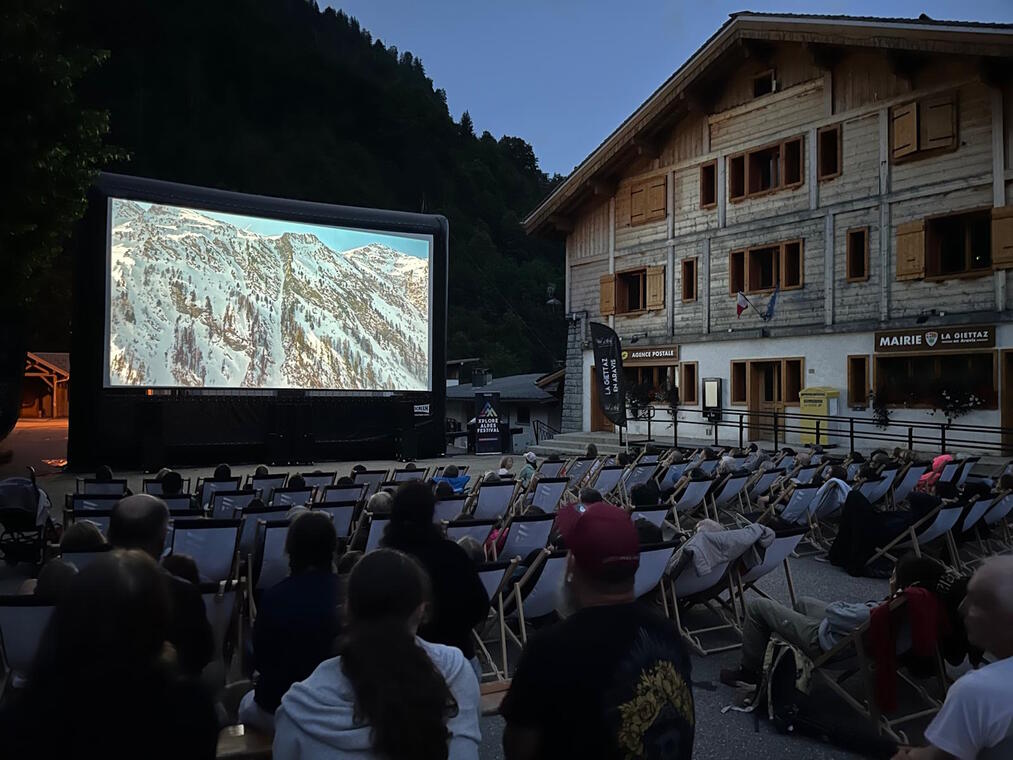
column 771, row 303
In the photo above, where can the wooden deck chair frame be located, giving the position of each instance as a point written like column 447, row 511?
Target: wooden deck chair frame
column 866, row 670
column 689, row 510
column 546, row 467
column 153, row 486
column 318, row 481
column 225, row 484
column 583, row 466
column 720, row 501
column 417, row 474
column 906, row 481
column 372, row 479
column 218, row 498
column 709, row 597
column 335, row 508
column 911, row 535
column 332, row 493
column 612, row 476
column 530, row 578
column 502, row 487
column 522, row 520
column 746, row 578
column 205, row 524
column 551, row 484
column 667, row 548
column 996, row 516
column 266, row 484
column 94, row 487
column 496, row 620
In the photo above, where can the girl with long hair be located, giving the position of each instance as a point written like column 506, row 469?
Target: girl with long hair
column 389, row 695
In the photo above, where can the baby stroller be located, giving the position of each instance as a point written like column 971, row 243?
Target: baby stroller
column 21, row 537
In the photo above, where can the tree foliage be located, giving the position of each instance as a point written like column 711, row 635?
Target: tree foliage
column 280, row 98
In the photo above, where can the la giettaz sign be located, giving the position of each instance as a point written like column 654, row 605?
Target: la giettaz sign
column 935, row 339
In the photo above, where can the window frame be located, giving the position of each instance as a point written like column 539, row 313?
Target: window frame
column 931, row 256
column 800, row 360
column 848, row 254
column 767, row 75
column 683, row 401
column 622, row 304
column 833, row 128
column 781, row 258
column 746, row 156
column 741, row 253
column 993, row 405
column 517, row 414
column 853, row 401
column 713, row 183
column 682, row 279
column 737, row 157
column 733, row 399
column 919, row 152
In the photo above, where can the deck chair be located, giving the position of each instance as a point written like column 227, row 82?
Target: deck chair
column 476, row 529
column 493, row 500
column 851, row 657
column 994, row 516
column 687, row 590
column 746, row 577
column 356, row 493
column 536, row 593
column 271, row 561
column 638, row 474
column 709, row 465
column 949, row 471
column 23, row 618
column 80, row 502
column 901, row 490
column 318, row 481
column 763, row 483
column 376, row 528
column 213, row 544
column 875, row 490
column 648, row 459
column 853, row 469
column 81, row 559
column 448, row 508
column 581, row 466
column 606, row 480
column 220, row 607
column 406, row 475
column 799, row 507
column 341, row 513
column 92, row 487
column 291, row 497
column 805, row 474
column 206, row 488
column 265, row 485
column 733, row 491
column 654, row 515
column 670, row 475
column 153, row 487
column 526, row 534
column 372, row 480
column 694, row 496
column 225, row 505
column 786, row 462
column 496, row 578
column 98, row 517
column 180, row 501
column 547, row 493
column 438, row 471
column 549, row 469
column 651, row 570
column 935, row 525
column 249, row 517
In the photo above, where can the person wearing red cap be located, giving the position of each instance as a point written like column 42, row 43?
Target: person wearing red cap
column 612, row 680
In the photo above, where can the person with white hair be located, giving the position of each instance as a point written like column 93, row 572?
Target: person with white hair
column 976, row 720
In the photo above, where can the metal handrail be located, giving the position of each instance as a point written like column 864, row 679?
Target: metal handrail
column 543, row 431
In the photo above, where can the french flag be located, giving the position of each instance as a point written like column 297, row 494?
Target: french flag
column 741, row 304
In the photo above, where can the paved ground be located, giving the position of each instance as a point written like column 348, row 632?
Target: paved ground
column 718, row 737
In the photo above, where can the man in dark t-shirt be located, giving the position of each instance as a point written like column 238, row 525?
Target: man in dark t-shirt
column 613, row 679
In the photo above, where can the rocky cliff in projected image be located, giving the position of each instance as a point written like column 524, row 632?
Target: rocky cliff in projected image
column 198, row 301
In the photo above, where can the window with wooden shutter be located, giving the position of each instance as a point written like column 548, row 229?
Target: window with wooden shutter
column 688, row 384
column 607, row 298
column 1002, row 237
column 638, row 204
column 737, row 391
column 905, row 130
column 858, row 380
column 657, row 199
column 911, row 250
column 655, row 288
column 937, row 122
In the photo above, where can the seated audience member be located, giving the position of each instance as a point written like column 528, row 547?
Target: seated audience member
column 459, row 600
column 506, row 465
column 645, row 494
column 54, row 578
column 830, row 496
column 141, row 522
column 104, row 474
column 492, row 477
column 443, row 490
column 591, row 450
column 262, row 471
column 102, row 669
column 390, row 694
column 222, row 472
column 296, row 510
column 345, row 480
column 356, row 469
column 814, row 626
column 452, row 475
column 578, row 682
column 82, row 536
column 567, row 514
column 528, row 470
column 297, row 620
column 378, row 505
column 623, row 459
column 647, row 532
column 473, row 548
column 182, row 566
column 976, row 720
column 346, row 563
column 927, row 482
column 297, row 481
column 172, row 484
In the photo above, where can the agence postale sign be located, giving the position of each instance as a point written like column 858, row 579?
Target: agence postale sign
column 936, row 339
column 650, row 355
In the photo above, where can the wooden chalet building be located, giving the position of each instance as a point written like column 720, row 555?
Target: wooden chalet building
column 859, row 167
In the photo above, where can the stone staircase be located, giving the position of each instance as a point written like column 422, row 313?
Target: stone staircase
column 572, row 444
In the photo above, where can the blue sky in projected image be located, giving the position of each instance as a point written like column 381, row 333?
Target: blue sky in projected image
column 336, row 238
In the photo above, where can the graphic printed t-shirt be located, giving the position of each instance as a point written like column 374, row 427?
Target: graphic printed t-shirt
column 608, row 682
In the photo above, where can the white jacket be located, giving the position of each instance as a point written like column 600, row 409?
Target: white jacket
column 315, row 718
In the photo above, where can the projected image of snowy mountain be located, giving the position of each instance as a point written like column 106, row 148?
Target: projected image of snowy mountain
column 223, row 300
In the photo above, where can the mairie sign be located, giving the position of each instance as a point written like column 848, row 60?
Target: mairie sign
column 935, row 339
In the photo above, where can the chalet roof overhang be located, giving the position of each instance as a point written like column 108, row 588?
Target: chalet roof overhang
column 752, row 35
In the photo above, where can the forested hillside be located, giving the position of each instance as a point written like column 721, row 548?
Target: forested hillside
column 280, row 98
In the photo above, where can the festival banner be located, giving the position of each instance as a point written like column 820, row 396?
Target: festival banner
column 609, row 362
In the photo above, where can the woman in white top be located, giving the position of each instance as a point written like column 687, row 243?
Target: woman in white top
column 389, row 695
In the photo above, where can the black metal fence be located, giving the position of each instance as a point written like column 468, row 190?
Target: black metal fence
column 777, row 426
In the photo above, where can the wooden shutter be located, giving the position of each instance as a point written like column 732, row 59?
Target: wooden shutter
column 911, row 250
column 1002, row 237
column 655, row 288
column 657, row 199
column 905, row 130
column 938, row 122
column 607, row 298
column 638, row 204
